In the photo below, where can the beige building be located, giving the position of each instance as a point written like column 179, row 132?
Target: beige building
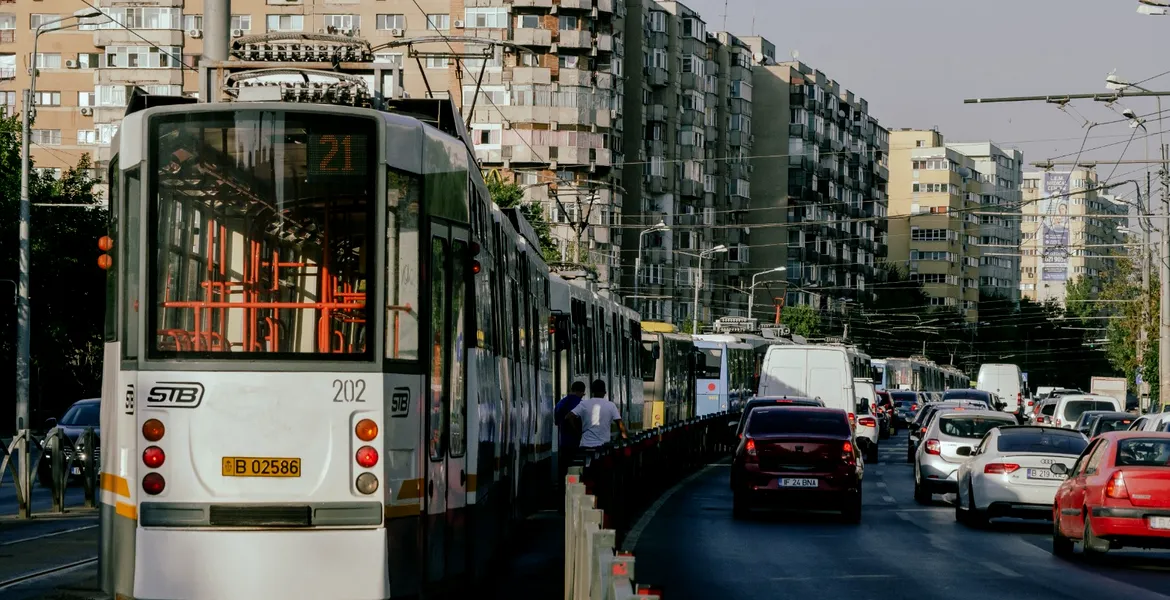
column 1069, row 232
column 935, row 193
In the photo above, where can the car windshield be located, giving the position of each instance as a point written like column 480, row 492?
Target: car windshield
column 904, row 397
column 1144, row 452
column 967, row 395
column 1041, row 442
column 87, row 414
column 780, row 421
column 1104, row 424
column 970, row 427
column 1073, row 409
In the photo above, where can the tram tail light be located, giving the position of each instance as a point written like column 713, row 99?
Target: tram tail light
column 366, row 430
column 367, row 457
column 367, row 483
column 475, row 268
column 153, row 457
column 153, row 430
column 153, row 484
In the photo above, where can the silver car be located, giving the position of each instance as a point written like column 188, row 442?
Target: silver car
column 937, row 460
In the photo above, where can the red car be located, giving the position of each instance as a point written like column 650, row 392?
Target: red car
column 797, row 457
column 1116, row 495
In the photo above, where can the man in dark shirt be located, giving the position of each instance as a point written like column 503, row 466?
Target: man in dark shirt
column 568, row 440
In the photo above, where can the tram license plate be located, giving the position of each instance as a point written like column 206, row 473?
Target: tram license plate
column 246, row 466
column 798, row 483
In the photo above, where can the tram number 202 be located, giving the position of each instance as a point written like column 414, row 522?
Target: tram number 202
column 349, row 390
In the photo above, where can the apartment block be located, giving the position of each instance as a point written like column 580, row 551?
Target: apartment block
column 1069, row 231
column 1001, row 170
column 935, row 195
column 688, row 114
column 819, row 189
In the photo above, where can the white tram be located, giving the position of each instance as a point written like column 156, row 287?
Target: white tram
column 329, row 368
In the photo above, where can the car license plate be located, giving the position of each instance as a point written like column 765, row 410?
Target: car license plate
column 75, row 471
column 1043, row 474
column 246, row 466
column 798, row 483
column 1159, row 522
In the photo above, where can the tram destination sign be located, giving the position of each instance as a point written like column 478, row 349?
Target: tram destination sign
column 337, row 154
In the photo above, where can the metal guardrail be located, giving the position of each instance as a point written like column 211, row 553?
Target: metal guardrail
column 56, row 445
column 614, row 486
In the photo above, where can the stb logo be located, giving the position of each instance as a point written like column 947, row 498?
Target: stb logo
column 175, row 394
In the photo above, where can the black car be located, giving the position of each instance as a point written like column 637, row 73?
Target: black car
column 906, row 405
column 83, row 415
column 1110, row 421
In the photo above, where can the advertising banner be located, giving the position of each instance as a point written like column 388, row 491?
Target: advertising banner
column 1054, row 227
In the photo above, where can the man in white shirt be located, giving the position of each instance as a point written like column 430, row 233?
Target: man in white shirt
column 597, row 416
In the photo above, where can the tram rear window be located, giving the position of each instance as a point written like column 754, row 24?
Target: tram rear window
column 649, row 356
column 263, row 235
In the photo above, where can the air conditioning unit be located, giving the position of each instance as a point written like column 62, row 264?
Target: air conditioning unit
column 86, row 111
column 195, row 34
column 237, row 33
column 397, row 32
column 458, row 24
column 70, row 64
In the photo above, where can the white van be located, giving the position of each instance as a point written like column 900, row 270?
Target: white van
column 1005, row 381
column 867, row 420
column 809, row 371
column 1069, row 408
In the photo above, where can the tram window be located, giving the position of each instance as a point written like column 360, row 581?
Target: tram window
column 112, row 304
column 439, row 349
column 649, row 358
column 264, row 222
column 712, row 365
column 132, row 275
column 402, row 276
column 459, row 317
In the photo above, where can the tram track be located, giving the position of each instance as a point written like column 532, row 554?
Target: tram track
column 33, row 576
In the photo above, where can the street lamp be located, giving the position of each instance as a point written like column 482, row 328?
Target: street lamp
column 661, row 226
column 25, row 260
column 752, row 289
column 699, row 283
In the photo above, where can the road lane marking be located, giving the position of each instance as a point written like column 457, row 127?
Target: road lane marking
column 631, row 541
column 905, row 517
column 39, row 537
column 35, row 575
column 1006, row 572
column 889, row 499
column 719, row 464
column 881, row 484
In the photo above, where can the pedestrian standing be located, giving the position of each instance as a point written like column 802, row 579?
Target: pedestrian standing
column 568, row 430
column 598, row 415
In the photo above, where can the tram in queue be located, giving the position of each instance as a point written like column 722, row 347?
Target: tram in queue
column 330, row 361
column 668, row 366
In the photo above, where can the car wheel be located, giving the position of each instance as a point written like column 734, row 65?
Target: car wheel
column 871, row 454
column 975, row 517
column 1061, row 545
column 852, row 511
column 921, row 495
column 739, row 505
column 960, row 514
column 1093, row 547
column 909, row 453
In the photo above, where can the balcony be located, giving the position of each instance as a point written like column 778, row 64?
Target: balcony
column 655, row 76
column 605, row 6
column 7, row 36
column 124, row 37
column 575, row 77
column 655, row 112
column 691, row 117
column 690, row 81
column 603, row 81
column 535, row 3
column 532, row 37
column 603, row 42
column 573, row 38
column 577, row 4
column 523, row 75
column 691, row 188
column 139, row 77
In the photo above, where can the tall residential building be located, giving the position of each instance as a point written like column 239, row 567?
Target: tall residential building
column 935, row 195
column 819, row 189
column 1002, row 172
column 688, row 107
column 1069, row 231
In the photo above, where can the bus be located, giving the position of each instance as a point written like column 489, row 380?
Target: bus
column 724, row 372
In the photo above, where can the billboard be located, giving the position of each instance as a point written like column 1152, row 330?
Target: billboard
column 1054, row 227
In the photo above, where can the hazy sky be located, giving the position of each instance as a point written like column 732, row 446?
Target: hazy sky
column 916, row 60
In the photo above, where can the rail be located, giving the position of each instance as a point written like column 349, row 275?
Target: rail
column 66, row 459
column 610, row 488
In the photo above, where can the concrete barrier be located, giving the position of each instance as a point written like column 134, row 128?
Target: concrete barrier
column 593, row 569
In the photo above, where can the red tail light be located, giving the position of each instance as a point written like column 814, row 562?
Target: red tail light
column 1116, row 486
column 913, row 407
column 1058, row 422
column 750, row 447
column 153, row 484
column 922, row 430
column 847, row 448
column 868, row 422
column 933, row 447
column 1019, row 397
column 153, row 457
column 1031, row 403
column 367, row 456
column 1000, row 468
column 153, row 430
column 852, row 420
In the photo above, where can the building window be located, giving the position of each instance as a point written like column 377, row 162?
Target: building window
column 143, row 57
column 48, row 61
column 48, row 99
column 694, row 28
column 567, row 23
column 657, row 21
column 527, row 22
column 86, row 137
column 741, row 89
column 45, row 137
column 88, row 60
column 437, row 22
column 693, row 64
column 192, row 22
column 242, row 22
column 388, row 22
column 342, row 22
column 142, row 18
column 86, row 99
column 436, row 62
column 488, row 17
column 36, row 20
column 567, row 61
column 285, row 23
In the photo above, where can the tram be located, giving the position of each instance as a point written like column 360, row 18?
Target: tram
column 667, row 368
column 330, row 361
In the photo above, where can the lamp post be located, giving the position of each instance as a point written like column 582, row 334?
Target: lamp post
column 752, row 289
column 23, row 484
column 661, row 226
column 699, row 284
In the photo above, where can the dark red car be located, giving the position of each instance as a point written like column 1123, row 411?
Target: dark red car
column 1116, row 495
column 797, row 457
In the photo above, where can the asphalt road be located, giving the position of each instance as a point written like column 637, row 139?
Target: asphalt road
column 693, row 549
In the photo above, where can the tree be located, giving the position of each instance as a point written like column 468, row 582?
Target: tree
column 1123, row 307
column 803, row 320
column 507, row 194
column 67, row 288
column 1078, row 301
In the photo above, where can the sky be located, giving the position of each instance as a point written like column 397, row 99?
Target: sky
column 916, row 60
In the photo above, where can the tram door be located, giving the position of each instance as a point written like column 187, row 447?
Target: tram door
column 446, row 486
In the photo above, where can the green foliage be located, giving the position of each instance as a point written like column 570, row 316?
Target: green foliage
column 507, row 194
column 1079, row 298
column 1122, row 311
column 67, row 288
column 803, row 320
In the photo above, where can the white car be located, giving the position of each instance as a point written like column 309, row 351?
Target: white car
column 1009, row 474
column 937, row 462
column 866, row 426
column 1069, row 408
